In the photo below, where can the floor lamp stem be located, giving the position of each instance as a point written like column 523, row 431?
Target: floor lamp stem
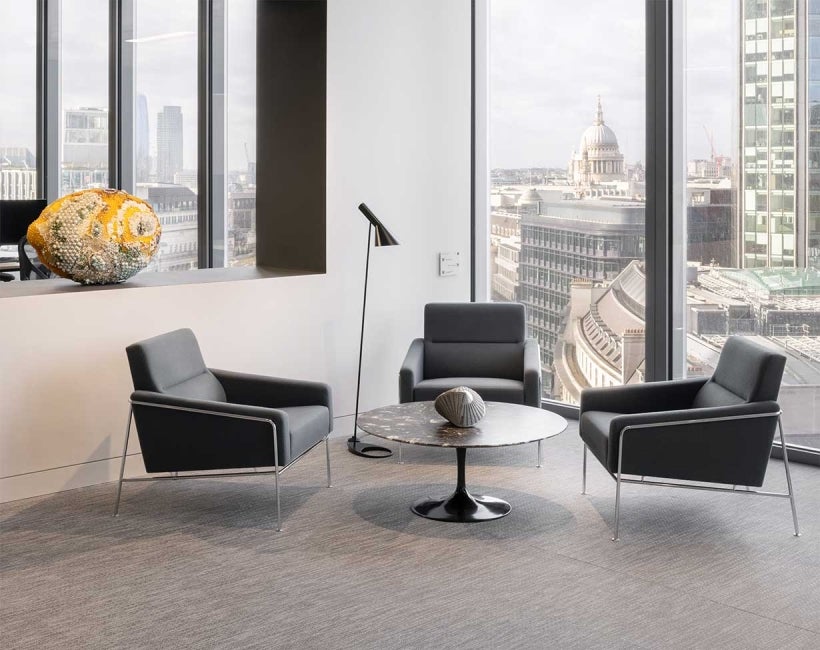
column 361, row 336
column 353, row 444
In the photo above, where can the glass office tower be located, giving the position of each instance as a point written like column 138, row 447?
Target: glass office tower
column 780, row 137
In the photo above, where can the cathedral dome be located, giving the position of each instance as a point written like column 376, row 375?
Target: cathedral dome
column 599, row 134
column 599, row 160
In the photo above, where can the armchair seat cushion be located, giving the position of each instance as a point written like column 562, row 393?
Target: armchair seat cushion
column 307, row 425
column 492, row 389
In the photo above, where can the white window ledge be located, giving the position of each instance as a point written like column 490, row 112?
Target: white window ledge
column 17, row 289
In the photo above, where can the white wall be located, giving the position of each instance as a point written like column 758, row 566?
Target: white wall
column 398, row 139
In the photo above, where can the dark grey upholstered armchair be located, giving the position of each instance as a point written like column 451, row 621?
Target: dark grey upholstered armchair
column 479, row 345
column 709, row 430
column 191, row 418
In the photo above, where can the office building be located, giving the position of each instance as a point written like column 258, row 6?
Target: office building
column 176, row 208
column 593, row 239
column 85, row 149
column 779, row 213
column 169, row 143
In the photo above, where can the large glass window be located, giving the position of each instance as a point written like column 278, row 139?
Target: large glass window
column 165, row 135
column 240, row 140
column 83, row 95
column 18, row 100
column 567, row 140
column 753, row 193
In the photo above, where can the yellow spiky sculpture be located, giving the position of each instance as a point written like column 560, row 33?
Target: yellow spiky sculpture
column 96, row 236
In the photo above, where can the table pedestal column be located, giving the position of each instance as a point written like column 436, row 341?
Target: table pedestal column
column 461, row 506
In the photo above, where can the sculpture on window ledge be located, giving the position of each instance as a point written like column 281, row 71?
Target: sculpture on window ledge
column 96, row 236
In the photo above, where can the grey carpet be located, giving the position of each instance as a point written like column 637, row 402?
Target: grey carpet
column 198, row 564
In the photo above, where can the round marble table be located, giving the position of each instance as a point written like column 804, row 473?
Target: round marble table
column 417, row 423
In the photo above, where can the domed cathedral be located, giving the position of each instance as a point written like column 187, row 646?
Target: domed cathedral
column 599, row 159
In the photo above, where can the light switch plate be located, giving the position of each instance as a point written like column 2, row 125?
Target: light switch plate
column 449, row 263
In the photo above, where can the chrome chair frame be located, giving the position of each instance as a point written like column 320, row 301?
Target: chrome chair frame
column 618, row 477
column 276, row 471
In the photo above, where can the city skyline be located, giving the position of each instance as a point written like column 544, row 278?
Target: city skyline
column 543, row 88
column 166, row 32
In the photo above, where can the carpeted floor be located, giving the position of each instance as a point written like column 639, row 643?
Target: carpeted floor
column 198, row 564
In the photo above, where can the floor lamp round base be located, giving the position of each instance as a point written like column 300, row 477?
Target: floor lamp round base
column 356, row 446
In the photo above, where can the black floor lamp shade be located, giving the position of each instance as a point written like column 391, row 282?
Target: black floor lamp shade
column 383, row 238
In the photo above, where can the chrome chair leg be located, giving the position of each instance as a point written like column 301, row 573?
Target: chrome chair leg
column 788, row 477
column 538, row 464
column 327, row 459
column 618, row 489
column 584, row 473
column 276, row 478
column 122, row 463
column 278, row 507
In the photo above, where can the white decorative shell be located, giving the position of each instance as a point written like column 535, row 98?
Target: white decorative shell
column 461, row 406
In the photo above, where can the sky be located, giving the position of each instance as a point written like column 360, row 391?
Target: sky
column 165, row 68
column 550, row 60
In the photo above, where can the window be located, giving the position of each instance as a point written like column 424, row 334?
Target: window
column 152, row 140
column 566, row 224
column 83, row 86
column 165, row 114
column 752, row 256
column 18, row 101
column 240, row 73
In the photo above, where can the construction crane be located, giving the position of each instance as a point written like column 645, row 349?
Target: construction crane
column 709, row 136
column 720, row 161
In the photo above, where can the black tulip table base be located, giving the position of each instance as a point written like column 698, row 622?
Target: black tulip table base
column 461, row 506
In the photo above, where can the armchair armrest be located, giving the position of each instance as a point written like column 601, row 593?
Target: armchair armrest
column 272, row 392
column 532, row 373
column 640, row 398
column 701, row 416
column 724, row 444
column 412, row 371
column 182, row 434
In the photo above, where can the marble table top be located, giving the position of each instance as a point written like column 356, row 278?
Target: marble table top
column 417, row 423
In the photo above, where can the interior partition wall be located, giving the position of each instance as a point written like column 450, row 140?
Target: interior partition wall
column 722, row 186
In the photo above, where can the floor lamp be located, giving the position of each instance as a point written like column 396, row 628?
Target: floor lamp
column 383, row 238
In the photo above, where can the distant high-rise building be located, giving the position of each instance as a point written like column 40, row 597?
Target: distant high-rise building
column 17, row 157
column 142, row 152
column 779, row 216
column 169, row 143
column 85, row 149
column 18, row 175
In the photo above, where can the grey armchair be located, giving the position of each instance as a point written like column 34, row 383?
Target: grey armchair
column 190, row 418
column 708, row 430
column 479, row 345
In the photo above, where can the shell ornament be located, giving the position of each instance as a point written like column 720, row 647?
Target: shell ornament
column 96, row 236
column 461, row 406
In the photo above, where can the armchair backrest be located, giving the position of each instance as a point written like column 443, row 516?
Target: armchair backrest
column 746, row 372
column 172, row 363
column 474, row 340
